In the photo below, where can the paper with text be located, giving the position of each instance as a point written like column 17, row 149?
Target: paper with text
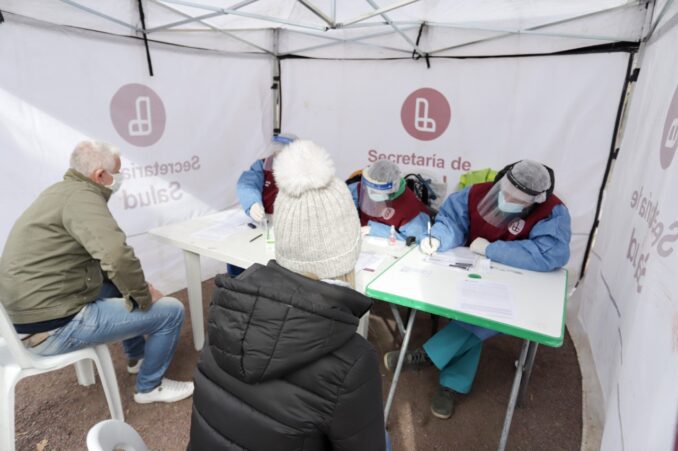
column 486, row 298
column 369, row 261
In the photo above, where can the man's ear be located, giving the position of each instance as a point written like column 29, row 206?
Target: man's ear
column 97, row 175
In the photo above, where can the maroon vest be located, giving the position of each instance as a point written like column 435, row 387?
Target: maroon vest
column 518, row 229
column 270, row 191
column 398, row 212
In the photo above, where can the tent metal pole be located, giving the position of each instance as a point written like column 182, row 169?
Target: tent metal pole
column 318, row 12
column 99, row 14
column 212, row 27
column 666, row 26
column 616, row 137
column 277, row 84
column 528, row 32
column 472, row 27
column 666, row 7
column 377, row 12
column 395, row 27
column 536, row 27
column 243, row 14
column 356, row 40
column 185, row 21
column 142, row 17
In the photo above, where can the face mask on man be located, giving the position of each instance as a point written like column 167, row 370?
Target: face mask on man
column 377, row 197
column 508, row 207
column 117, row 181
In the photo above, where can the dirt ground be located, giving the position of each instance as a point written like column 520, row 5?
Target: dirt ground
column 54, row 413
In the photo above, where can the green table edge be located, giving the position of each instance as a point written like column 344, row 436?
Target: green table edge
column 547, row 340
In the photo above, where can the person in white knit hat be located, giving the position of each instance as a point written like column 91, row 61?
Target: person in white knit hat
column 316, row 226
column 284, row 368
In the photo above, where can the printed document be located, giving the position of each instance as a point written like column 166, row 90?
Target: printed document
column 369, row 261
column 227, row 224
column 486, row 298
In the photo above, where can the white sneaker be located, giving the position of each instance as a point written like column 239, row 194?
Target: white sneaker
column 134, row 369
column 167, row 391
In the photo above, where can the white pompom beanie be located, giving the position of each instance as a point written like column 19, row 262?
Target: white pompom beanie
column 316, row 223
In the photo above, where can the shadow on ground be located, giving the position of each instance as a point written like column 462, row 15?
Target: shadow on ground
column 54, row 413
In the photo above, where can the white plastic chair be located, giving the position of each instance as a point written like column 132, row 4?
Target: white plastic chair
column 108, row 435
column 16, row 363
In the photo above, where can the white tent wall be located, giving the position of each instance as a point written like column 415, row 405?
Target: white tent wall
column 628, row 301
column 57, row 85
column 205, row 119
column 357, row 110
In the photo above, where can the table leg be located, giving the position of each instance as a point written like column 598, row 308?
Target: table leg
column 527, row 372
column 194, row 283
column 398, row 319
column 514, row 396
column 399, row 366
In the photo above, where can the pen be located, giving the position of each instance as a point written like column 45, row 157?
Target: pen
column 515, row 271
column 261, row 234
column 429, row 233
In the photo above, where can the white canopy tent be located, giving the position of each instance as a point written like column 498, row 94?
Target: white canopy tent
column 546, row 80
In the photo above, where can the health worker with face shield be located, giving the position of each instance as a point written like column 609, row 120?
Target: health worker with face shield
column 515, row 220
column 256, row 187
column 384, row 200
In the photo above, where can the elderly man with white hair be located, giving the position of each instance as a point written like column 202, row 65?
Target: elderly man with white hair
column 68, row 279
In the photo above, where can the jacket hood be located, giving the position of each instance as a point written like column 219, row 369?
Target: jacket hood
column 270, row 321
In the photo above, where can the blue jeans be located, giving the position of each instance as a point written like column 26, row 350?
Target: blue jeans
column 107, row 319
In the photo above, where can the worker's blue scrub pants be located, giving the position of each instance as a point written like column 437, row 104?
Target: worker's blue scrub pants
column 455, row 351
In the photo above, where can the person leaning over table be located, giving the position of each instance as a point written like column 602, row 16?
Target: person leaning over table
column 384, row 200
column 284, row 368
column 256, row 187
column 69, row 280
column 515, row 220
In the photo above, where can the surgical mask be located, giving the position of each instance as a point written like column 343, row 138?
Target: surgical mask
column 508, row 207
column 117, row 181
column 377, row 197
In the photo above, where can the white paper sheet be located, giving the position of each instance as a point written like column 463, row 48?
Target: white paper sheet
column 227, row 224
column 457, row 256
column 369, row 261
column 487, row 298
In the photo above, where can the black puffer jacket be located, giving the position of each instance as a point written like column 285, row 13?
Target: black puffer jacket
column 284, row 369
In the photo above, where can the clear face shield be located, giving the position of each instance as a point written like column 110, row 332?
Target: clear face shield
column 505, row 202
column 374, row 195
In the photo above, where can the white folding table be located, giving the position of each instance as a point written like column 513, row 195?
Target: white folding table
column 243, row 248
column 537, row 300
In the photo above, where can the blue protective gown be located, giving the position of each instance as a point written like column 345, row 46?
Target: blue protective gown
column 455, row 349
column 249, row 190
column 250, row 186
column 416, row 227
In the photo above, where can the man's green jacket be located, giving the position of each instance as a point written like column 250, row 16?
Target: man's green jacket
column 52, row 263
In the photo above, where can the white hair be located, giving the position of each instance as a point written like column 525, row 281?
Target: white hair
column 88, row 156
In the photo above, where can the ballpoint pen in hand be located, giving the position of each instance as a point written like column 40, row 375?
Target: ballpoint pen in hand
column 429, row 233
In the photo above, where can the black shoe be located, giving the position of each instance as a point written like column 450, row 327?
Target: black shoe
column 417, row 357
column 442, row 404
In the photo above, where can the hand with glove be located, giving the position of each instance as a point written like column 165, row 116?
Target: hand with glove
column 479, row 245
column 257, row 212
column 429, row 246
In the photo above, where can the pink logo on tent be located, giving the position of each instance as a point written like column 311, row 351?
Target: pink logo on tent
column 669, row 142
column 138, row 114
column 425, row 114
